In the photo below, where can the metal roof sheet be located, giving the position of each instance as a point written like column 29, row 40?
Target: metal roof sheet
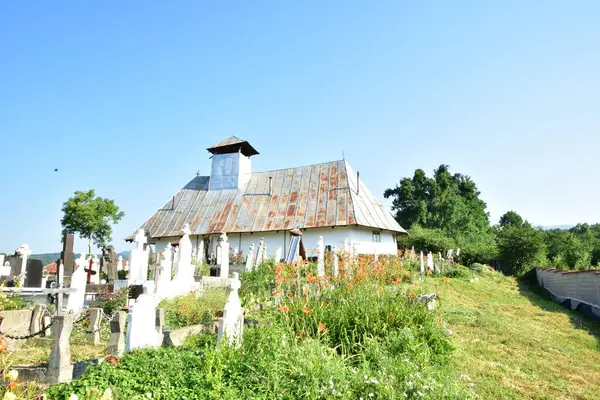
column 315, row 196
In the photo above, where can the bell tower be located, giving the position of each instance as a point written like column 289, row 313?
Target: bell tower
column 231, row 166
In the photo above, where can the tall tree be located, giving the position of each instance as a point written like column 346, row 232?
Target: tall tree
column 90, row 217
column 446, row 202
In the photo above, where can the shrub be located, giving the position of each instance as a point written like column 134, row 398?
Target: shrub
column 457, row 271
column 479, row 268
column 192, row 310
column 11, row 301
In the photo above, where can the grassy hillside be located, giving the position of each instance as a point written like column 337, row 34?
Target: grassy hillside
column 513, row 344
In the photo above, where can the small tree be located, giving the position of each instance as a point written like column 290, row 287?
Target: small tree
column 521, row 247
column 90, row 217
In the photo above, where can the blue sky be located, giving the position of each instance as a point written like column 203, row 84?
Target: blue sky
column 124, row 97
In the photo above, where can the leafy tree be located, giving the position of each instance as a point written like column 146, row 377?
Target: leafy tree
column 573, row 249
column 520, row 247
column 510, row 218
column 90, row 217
column 449, row 203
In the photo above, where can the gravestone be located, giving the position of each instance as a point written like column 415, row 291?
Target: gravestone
column 67, row 256
column 59, row 366
column 78, row 282
column 336, row 266
column 165, row 270
column 185, row 269
column 116, row 344
column 95, row 318
column 278, row 255
column 34, row 273
column 141, row 324
column 109, row 262
column 232, row 324
column 260, row 252
column 422, row 270
column 200, row 254
column 320, row 257
column 138, row 259
column 250, row 258
column 223, row 249
column 430, row 262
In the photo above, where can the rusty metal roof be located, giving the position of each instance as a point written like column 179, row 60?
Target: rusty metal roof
column 315, row 196
column 232, row 145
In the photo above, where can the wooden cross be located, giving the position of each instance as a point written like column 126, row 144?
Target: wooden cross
column 90, row 271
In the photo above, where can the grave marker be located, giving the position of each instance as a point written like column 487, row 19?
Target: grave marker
column 250, row 258
column 320, row 257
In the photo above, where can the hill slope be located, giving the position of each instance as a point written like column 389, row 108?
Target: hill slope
column 514, row 344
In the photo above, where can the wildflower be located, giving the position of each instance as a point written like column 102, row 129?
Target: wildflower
column 13, row 375
column 371, row 394
column 73, row 397
column 276, row 292
column 9, row 396
column 112, row 359
column 284, row 309
column 322, row 327
column 306, row 310
column 3, row 347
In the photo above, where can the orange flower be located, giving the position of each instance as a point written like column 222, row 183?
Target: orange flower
column 428, row 272
column 445, row 279
column 112, row 359
column 12, row 385
column 3, row 348
column 312, row 279
column 322, row 327
column 306, row 310
column 276, row 292
column 284, row 309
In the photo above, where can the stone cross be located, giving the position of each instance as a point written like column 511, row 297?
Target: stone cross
column 138, row 259
column 320, row 257
column 336, row 267
column 185, row 268
column 194, row 254
column 223, row 249
column 60, row 368
column 250, row 258
column 422, row 271
column 260, row 253
column 457, row 252
column 232, row 324
column 200, row 254
column 116, row 344
column 78, row 282
column 278, row 255
column 430, row 262
column 165, row 270
column 23, row 252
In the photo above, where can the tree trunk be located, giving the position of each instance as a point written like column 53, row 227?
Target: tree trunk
column 90, row 245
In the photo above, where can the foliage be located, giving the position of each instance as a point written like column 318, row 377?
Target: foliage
column 444, row 212
column 510, row 218
column 521, row 247
column 111, row 302
column 11, row 301
column 258, row 283
column 201, row 269
column 10, row 386
column 90, row 217
column 445, row 201
column 122, row 274
column 192, row 310
column 569, row 249
column 368, row 337
column 457, row 271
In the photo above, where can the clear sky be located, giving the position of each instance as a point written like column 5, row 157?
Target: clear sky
column 125, row 97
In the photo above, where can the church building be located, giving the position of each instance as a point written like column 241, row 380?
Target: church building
column 328, row 200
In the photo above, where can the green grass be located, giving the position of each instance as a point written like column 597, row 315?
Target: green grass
column 512, row 343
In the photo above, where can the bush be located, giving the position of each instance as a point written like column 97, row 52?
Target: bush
column 111, row 302
column 192, row 310
column 458, row 272
column 479, row 268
